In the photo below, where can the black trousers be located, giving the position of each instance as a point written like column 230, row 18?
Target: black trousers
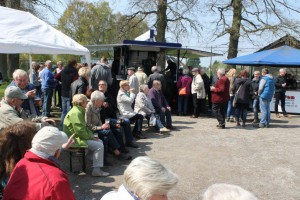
column 199, row 105
column 138, row 119
column 280, row 96
column 220, row 112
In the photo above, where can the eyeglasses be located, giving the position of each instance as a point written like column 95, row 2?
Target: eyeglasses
column 101, row 84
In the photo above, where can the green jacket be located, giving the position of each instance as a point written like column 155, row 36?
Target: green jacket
column 75, row 123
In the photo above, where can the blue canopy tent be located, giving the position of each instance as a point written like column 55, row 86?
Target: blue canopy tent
column 281, row 56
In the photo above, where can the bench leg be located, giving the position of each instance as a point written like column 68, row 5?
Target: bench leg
column 83, row 160
column 71, row 167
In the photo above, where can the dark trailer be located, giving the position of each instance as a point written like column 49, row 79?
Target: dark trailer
column 133, row 53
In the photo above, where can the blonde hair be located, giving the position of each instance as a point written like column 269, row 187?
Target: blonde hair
column 78, row 99
column 231, row 73
column 256, row 72
column 123, row 82
column 84, row 72
column 146, row 177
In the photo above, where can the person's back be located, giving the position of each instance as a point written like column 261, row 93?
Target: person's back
column 269, row 87
column 38, row 178
column 68, row 75
column 100, row 72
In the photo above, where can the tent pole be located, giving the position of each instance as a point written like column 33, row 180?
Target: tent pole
column 210, row 64
column 30, row 69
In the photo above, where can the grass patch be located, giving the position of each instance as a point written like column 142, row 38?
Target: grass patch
column 2, row 88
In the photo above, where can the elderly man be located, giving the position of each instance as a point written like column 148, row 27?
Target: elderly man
column 12, row 111
column 38, row 175
column 48, row 86
column 20, row 79
column 133, row 80
column 280, row 89
column 265, row 92
column 141, row 76
column 198, row 93
column 160, row 104
column 156, row 75
column 101, row 72
column 220, row 97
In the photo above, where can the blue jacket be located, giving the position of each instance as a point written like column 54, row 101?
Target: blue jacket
column 269, row 88
column 48, row 80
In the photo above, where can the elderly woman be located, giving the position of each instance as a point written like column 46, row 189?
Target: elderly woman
column 144, row 106
column 93, row 120
column 80, row 86
column 144, row 179
column 74, row 122
column 125, row 99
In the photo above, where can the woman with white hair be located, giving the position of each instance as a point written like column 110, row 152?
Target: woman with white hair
column 125, row 99
column 144, row 106
column 223, row 191
column 104, row 131
column 144, row 179
column 74, row 122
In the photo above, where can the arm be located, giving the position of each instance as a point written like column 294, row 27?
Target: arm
column 128, row 99
column 199, row 83
column 141, row 103
column 79, row 126
column 89, row 118
column 221, row 87
column 261, row 86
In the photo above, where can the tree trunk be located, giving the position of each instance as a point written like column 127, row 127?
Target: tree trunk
column 13, row 63
column 3, row 66
column 234, row 31
column 161, row 28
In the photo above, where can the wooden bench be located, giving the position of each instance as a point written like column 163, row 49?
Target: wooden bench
column 77, row 152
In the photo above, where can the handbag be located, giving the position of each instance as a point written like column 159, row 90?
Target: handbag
column 182, row 91
column 152, row 120
column 234, row 102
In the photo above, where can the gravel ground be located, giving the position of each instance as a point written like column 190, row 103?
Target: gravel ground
column 263, row 161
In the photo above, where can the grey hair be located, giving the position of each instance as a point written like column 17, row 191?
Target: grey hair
column 48, row 62
column 154, row 69
column 146, row 177
column 97, row 95
column 84, row 72
column 20, row 72
column 143, row 87
column 222, row 71
column 185, row 71
column 282, row 70
column 223, row 191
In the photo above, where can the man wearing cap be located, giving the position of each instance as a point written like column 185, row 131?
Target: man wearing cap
column 198, row 93
column 101, row 72
column 141, row 76
column 12, row 110
column 38, row 175
column 133, row 80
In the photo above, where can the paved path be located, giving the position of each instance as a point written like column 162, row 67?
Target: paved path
column 264, row 161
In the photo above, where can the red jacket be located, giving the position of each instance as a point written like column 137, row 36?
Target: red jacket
column 221, row 92
column 38, row 178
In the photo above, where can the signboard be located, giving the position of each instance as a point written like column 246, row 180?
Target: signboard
column 292, row 102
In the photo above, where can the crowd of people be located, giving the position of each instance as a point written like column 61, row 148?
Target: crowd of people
column 98, row 118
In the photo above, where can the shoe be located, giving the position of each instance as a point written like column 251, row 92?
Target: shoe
column 261, row 125
column 244, row 125
column 268, row 126
column 221, row 126
column 232, row 120
column 194, row 116
column 277, row 115
column 228, row 119
column 99, row 172
column 255, row 121
column 132, row 144
column 178, row 114
column 170, row 127
column 164, row 129
column 124, row 150
column 285, row 115
column 139, row 135
column 121, row 156
column 238, row 124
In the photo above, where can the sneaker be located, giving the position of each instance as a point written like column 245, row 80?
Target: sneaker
column 285, row 115
column 194, row 116
column 164, row 129
column 132, row 144
column 98, row 172
column 121, row 156
column 261, row 125
column 139, row 135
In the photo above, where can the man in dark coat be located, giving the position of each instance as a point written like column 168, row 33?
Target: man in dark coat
column 280, row 89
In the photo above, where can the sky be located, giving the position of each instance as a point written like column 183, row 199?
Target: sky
column 203, row 43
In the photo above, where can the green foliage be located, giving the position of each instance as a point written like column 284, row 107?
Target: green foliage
column 216, row 65
column 94, row 23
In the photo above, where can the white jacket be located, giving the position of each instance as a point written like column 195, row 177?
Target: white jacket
column 124, row 104
column 198, row 87
column 121, row 194
column 143, row 105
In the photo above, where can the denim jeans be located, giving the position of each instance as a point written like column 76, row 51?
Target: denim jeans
column 126, row 128
column 47, row 98
column 230, row 108
column 241, row 111
column 66, row 106
column 165, row 118
column 265, row 111
column 255, row 106
column 184, row 100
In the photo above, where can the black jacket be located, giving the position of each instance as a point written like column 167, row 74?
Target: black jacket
column 244, row 94
column 66, row 77
column 255, row 86
column 79, row 86
column 111, row 110
column 279, row 80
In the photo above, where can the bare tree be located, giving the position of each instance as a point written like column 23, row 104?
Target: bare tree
column 253, row 18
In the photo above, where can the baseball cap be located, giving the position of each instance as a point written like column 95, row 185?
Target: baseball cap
column 49, row 139
column 195, row 69
column 14, row 92
column 131, row 68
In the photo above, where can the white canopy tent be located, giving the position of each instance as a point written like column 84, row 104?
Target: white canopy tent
column 22, row 32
